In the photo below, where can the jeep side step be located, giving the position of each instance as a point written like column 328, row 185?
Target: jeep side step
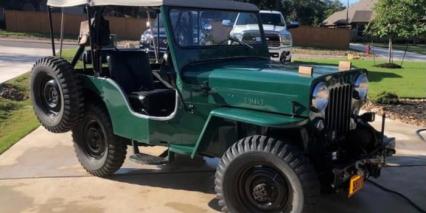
column 146, row 159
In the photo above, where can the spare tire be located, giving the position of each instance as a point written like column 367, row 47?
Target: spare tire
column 56, row 93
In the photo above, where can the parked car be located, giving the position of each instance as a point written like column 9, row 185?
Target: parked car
column 150, row 36
column 282, row 132
column 278, row 37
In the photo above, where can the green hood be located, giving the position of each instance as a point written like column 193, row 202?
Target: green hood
column 255, row 84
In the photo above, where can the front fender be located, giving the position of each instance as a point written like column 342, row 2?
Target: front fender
column 246, row 116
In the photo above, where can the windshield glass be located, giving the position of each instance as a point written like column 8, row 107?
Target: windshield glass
column 214, row 27
column 272, row 19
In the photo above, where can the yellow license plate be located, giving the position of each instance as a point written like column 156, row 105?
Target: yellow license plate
column 355, row 184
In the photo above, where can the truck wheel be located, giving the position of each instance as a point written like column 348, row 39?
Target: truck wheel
column 100, row 152
column 56, row 94
column 283, row 59
column 261, row 174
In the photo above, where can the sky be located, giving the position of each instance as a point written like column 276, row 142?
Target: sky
column 345, row 2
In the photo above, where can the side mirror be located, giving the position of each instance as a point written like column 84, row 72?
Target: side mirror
column 226, row 23
column 293, row 25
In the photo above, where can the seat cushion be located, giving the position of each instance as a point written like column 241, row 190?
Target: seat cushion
column 158, row 102
column 131, row 70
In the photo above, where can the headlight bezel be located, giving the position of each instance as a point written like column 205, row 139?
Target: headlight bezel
column 286, row 39
column 320, row 97
column 361, row 85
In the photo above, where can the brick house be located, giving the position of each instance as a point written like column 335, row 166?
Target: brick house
column 357, row 16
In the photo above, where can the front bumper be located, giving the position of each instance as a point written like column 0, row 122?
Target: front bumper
column 281, row 53
column 369, row 166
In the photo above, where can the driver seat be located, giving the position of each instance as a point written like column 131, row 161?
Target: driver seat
column 132, row 71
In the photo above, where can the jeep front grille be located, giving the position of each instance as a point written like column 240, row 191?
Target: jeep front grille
column 339, row 110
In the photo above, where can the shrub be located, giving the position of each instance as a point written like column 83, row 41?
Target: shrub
column 386, row 98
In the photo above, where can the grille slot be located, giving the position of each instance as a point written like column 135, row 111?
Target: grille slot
column 273, row 40
column 338, row 112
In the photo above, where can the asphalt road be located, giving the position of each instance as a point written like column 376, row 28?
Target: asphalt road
column 383, row 53
column 18, row 56
column 42, row 174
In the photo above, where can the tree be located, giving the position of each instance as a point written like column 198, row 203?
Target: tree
column 332, row 6
column 307, row 12
column 398, row 19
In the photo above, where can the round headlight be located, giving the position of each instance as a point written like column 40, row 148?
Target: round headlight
column 320, row 96
column 361, row 87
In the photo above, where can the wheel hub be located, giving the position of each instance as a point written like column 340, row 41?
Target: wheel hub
column 261, row 193
column 264, row 188
column 95, row 140
column 51, row 96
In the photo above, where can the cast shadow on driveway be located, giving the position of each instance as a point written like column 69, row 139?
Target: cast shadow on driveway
column 404, row 174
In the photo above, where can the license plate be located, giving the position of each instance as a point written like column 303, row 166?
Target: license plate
column 355, row 184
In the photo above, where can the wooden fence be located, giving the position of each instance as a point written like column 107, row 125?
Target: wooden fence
column 38, row 22
column 320, row 37
column 132, row 28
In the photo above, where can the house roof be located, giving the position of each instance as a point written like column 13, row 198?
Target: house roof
column 360, row 12
column 216, row 4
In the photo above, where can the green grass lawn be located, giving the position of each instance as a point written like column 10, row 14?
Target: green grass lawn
column 16, row 117
column 4, row 33
column 408, row 82
column 24, row 35
column 418, row 48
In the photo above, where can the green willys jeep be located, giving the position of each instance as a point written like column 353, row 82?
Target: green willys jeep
column 284, row 133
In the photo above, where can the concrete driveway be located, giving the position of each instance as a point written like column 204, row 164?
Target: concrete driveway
column 383, row 53
column 17, row 56
column 41, row 174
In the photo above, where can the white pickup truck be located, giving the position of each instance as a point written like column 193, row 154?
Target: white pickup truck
column 277, row 33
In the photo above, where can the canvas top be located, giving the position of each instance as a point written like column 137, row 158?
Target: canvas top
column 209, row 4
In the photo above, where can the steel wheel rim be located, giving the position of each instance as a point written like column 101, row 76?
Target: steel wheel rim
column 95, row 140
column 264, row 188
column 50, row 96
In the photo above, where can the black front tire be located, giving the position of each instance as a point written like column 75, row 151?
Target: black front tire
column 261, row 174
column 100, row 152
column 56, row 93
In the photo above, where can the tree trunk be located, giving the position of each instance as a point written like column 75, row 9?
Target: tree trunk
column 390, row 51
column 278, row 4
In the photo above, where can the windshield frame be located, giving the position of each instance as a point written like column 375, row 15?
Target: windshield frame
column 173, row 37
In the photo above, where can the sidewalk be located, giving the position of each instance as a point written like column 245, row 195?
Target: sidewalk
column 383, row 53
column 17, row 56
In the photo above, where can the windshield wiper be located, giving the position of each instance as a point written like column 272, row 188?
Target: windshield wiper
column 232, row 38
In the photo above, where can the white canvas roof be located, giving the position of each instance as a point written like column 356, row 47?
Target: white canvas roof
column 210, row 4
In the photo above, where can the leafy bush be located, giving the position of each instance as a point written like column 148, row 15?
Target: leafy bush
column 386, row 98
column 6, row 107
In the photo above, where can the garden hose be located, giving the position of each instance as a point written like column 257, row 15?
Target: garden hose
column 421, row 136
column 412, row 203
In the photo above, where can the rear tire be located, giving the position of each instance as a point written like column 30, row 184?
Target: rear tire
column 100, row 152
column 261, row 174
column 56, row 94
